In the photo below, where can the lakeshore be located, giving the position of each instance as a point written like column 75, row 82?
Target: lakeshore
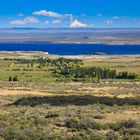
column 23, row 54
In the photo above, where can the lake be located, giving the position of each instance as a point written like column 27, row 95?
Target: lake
column 72, row 49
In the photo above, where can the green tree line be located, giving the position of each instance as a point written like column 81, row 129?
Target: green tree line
column 92, row 72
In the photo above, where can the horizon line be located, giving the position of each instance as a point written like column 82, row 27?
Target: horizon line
column 70, row 28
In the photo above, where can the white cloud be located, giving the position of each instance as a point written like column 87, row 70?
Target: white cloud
column 27, row 20
column 51, row 14
column 109, row 21
column 56, row 21
column 77, row 24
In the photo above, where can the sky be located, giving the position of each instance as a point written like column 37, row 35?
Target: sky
column 70, row 13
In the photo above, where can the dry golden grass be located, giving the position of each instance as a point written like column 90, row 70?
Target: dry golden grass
column 22, row 92
column 117, row 117
column 94, row 91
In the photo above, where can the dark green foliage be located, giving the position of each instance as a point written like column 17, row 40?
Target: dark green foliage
column 13, row 79
column 32, row 64
column 10, row 78
column 126, row 75
column 42, row 61
column 94, row 72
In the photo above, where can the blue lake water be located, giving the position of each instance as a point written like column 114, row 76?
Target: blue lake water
column 71, row 49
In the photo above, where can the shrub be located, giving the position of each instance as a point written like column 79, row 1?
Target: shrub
column 10, row 78
column 82, row 124
column 52, row 115
column 131, row 131
column 113, row 136
column 98, row 116
column 124, row 124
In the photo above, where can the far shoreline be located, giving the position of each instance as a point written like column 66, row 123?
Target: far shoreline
column 71, row 43
column 36, row 54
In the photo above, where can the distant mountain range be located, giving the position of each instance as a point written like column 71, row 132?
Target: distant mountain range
column 72, row 35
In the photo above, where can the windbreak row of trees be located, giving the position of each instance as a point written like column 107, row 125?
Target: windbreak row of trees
column 92, row 72
column 43, row 61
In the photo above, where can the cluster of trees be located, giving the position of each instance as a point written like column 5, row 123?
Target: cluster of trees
column 95, row 72
column 71, row 68
column 13, row 79
column 58, row 62
column 126, row 75
column 44, row 61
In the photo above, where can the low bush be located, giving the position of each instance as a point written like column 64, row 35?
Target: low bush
column 124, row 124
column 131, row 131
column 98, row 116
column 52, row 115
column 112, row 135
column 82, row 124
